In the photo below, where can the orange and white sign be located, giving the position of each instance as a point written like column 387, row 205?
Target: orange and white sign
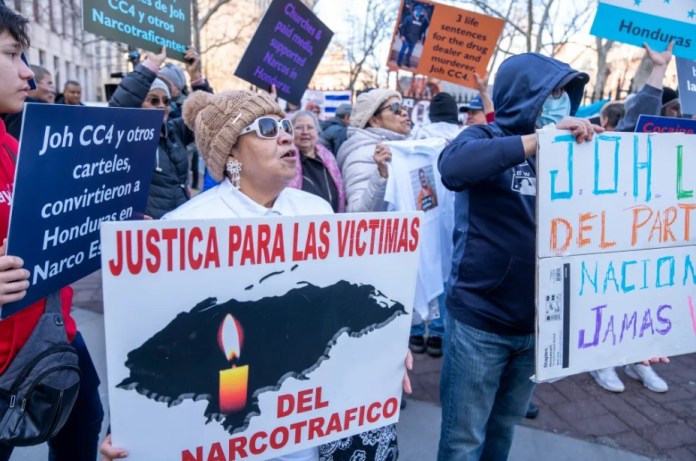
column 443, row 42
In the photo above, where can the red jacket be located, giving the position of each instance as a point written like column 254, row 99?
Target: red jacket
column 16, row 329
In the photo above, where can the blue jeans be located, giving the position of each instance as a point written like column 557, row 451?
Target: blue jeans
column 435, row 328
column 78, row 440
column 484, row 389
column 407, row 48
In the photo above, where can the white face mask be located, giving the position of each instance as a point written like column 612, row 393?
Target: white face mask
column 553, row 110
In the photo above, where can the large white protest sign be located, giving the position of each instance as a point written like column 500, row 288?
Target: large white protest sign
column 248, row 339
column 616, row 274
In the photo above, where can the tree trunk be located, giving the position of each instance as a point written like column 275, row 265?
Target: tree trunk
column 603, row 48
column 642, row 74
column 530, row 24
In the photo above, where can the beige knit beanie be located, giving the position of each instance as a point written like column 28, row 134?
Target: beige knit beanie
column 367, row 104
column 217, row 120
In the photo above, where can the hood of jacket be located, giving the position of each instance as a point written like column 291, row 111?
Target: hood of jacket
column 523, row 83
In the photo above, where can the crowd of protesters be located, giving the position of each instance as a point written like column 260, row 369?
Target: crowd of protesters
column 266, row 164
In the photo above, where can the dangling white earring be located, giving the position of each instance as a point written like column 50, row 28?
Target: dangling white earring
column 234, row 168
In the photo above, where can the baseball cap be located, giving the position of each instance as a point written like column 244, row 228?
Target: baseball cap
column 475, row 104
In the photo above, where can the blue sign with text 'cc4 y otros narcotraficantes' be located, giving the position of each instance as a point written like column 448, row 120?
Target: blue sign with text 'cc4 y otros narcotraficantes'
column 77, row 167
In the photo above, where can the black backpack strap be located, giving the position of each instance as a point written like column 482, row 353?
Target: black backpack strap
column 53, row 304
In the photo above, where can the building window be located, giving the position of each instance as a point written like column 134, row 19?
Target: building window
column 37, row 11
column 42, row 58
column 18, row 6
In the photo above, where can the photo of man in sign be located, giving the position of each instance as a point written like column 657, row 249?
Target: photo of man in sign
column 426, row 198
column 407, row 45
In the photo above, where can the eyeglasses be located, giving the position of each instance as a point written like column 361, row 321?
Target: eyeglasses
column 305, row 128
column 268, row 127
column 557, row 93
column 155, row 100
column 395, row 107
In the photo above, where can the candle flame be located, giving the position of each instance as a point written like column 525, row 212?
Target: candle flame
column 230, row 337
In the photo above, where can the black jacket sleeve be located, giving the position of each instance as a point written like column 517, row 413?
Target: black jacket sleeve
column 133, row 88
column 474, row 157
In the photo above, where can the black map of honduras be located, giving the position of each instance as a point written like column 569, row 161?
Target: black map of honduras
column 284, row 336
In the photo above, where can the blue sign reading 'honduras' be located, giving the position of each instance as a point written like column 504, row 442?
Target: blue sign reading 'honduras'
column 77, row 167
column 655, row 22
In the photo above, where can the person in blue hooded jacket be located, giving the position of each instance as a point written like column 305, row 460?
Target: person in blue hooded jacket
column 412, row 30
column 489, row 345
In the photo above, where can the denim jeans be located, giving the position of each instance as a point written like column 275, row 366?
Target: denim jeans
column 407, row 48
column 78, row 440
column 435, row 328
column 484, row 389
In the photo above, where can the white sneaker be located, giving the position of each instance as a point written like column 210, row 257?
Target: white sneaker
column 648, row 376
column 607, row 379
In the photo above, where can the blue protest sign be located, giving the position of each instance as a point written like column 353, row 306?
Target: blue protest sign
column 285, row 50
column 77, row 167
column 686, row 73
column 655, row 22
column 651, row 124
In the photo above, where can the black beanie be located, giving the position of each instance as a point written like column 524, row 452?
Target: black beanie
column 668, row 95
column 443, row 108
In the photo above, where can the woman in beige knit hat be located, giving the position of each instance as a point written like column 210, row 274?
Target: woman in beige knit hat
column 248, row 147
column 377, row 116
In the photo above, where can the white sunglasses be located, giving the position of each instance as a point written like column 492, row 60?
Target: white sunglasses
column 268, row 127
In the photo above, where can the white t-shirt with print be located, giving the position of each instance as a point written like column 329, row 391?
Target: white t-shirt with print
column 414, row 184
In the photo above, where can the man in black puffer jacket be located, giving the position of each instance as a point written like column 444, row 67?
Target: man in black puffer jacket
column 142, row 88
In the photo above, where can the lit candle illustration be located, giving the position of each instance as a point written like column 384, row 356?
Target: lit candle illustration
column 233, row 381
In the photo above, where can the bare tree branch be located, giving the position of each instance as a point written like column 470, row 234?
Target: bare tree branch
column 486, row 8
column 241, row 35
column 202, row 22
column 545, row 26
column 366, row 34
column 542, row 25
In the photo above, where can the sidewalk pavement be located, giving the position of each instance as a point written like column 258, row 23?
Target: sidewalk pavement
column 657, row 426
column 578, row 421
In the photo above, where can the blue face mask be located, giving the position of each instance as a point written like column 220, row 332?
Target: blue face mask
column 554, row 110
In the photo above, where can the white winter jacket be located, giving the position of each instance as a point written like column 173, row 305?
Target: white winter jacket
column 364, row 186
